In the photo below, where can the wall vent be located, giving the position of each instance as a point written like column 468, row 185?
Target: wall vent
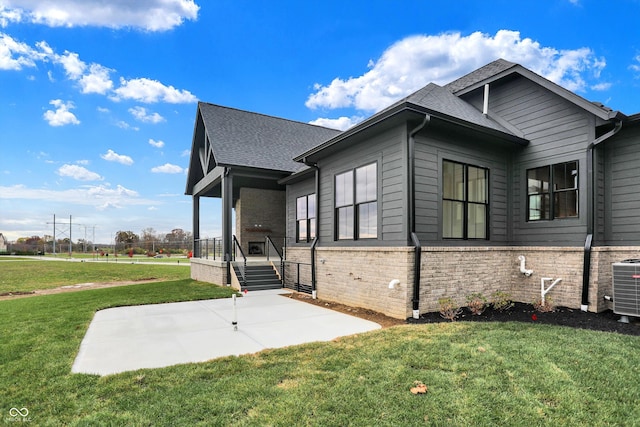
column 626, row 287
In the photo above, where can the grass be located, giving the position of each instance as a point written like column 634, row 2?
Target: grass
column 476, row 373
column 27, row 275
column 122, row 257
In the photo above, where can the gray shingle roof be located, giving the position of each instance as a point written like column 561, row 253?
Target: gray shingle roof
column 482, row 73
column 438, row 99
column 243, row 138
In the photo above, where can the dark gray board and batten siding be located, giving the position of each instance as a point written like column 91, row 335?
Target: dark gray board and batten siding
column 558, row 131
column 622, row 188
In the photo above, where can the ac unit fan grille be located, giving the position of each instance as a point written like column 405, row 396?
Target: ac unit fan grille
column 626, row 288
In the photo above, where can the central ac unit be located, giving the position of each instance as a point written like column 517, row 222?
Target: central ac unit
column 626, row 287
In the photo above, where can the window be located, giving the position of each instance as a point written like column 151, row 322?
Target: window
column 465, row 201
column 552, row 192
column 306, row 218
column 356, row 206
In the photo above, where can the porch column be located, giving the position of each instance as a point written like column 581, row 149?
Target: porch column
column 227, row 211
column 196, row 226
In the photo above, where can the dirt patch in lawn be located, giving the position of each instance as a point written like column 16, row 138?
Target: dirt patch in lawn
column 72, row 288
column 363, row 313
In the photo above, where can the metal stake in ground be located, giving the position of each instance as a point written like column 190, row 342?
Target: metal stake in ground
column 234, row 322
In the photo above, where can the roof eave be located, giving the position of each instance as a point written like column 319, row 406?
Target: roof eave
column 548, row 84
column 372, row 121
column 409, row 107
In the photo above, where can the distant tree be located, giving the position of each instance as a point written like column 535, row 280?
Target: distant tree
column 147, row 238
column 127, row 238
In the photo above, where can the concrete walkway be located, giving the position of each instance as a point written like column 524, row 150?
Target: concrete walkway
column 153, row 336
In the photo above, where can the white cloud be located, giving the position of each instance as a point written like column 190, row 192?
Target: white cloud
column 8, row 16
column 126, row 126
column 149, row 15
column 341, row 123
column 112, row 156
column 635, row 66
column 61, row 116
column 97, row 80
column 71, row 63
column 15, row 55
column 167, row 168
column 415, row 61
column 141, row 114
column 91, row 78
column 157, row 144
column 79, row 173
column 98, row 196
column 151, row 91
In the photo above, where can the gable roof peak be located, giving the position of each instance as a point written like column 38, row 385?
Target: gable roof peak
column 485, row 72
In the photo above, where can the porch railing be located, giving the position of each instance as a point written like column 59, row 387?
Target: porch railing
column 209, row 248
column 272, row 252
column 241, row 266
column 297, row 276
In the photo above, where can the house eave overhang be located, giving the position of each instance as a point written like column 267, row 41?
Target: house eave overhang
column 553, row 87
column 404, row 111
column 210, row 185
column 298, row 176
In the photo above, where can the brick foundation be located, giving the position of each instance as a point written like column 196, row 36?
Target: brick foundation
column 360, row 277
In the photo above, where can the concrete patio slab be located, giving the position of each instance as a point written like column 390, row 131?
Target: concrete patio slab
column 153, row 336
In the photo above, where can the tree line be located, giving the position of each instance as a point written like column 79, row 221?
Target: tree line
column 148, row 241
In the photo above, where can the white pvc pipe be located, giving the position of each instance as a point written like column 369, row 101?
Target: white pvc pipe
column 544, row 291
column 523, row 269
column 234, row 322
column 485, row 104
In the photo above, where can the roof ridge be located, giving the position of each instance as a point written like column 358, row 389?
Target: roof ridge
column 486, row 71
column 266, row 115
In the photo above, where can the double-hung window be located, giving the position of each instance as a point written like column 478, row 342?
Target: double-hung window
column 465, row 201
column 356, row 206
column 552, row 192
column 306, row 218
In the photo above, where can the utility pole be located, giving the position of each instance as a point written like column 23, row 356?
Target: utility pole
column 70, row 240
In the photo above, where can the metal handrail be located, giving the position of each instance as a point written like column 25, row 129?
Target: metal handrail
column 208, row 247
column 243, row 266
column 269, row 246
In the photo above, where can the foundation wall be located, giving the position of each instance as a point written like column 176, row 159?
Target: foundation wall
column 360, row 277
column 210, row 271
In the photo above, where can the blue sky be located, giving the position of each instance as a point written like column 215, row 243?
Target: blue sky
column 98, row 98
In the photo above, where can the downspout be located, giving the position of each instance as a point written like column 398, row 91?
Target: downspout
column 314, row 292
column 413, row 237
column 591, row 202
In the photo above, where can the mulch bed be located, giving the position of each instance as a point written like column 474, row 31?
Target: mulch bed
column 606, row 321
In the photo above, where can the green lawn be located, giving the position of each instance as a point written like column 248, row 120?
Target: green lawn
column 477, row 373
column 21, row 274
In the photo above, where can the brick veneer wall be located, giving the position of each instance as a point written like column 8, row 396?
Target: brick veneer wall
column 298, row 258
column 458, row 272
column 209, row 271
column 601, row 283
column 259, row 213
column 360, row 277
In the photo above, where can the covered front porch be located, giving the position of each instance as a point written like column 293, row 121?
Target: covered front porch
column 241, row 158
